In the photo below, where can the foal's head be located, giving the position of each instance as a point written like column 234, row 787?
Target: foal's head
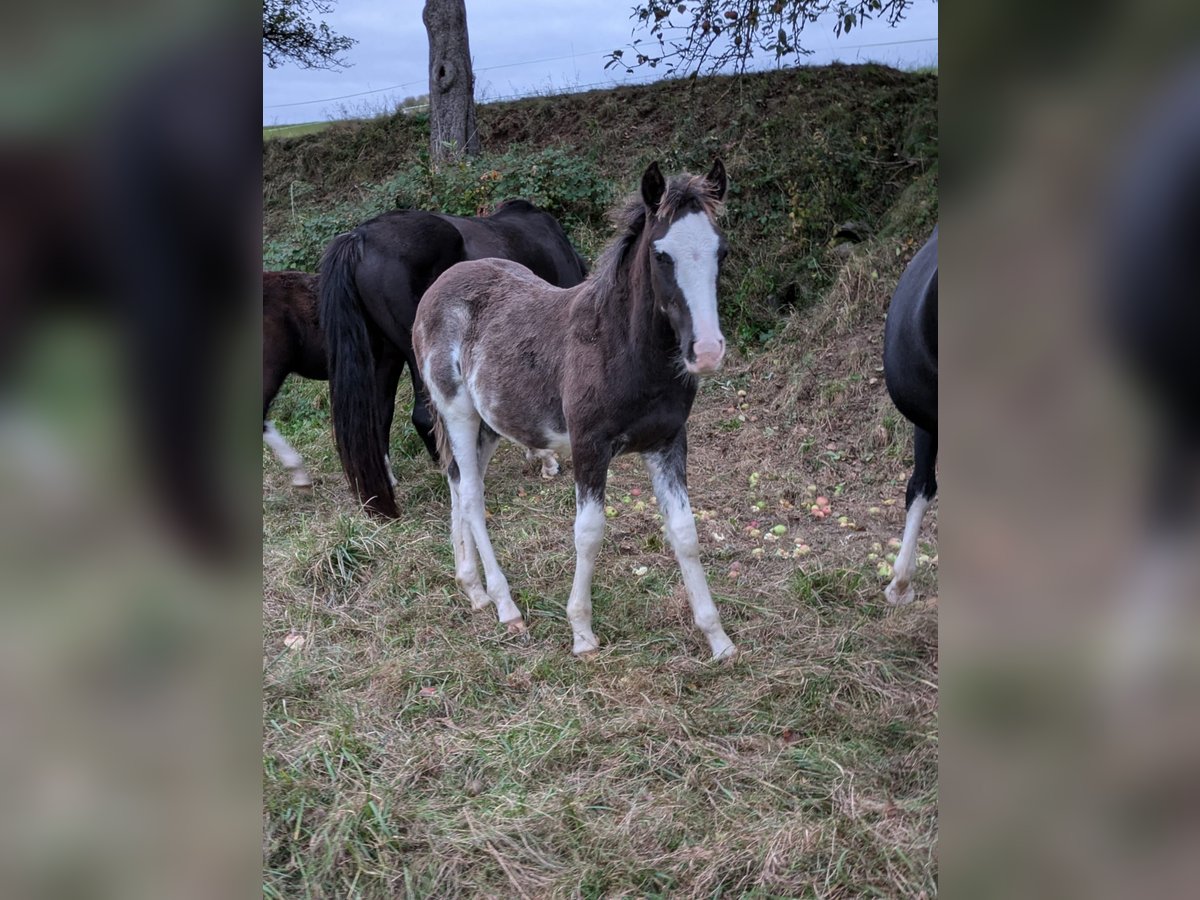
column 686, row 251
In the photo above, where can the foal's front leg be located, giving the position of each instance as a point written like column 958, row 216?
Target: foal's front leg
column 668, row 471
column 591, row 475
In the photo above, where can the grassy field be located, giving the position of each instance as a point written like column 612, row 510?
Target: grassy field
column 413, row 749
column 290, row 131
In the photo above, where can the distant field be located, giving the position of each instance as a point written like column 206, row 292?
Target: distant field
column 286, row 131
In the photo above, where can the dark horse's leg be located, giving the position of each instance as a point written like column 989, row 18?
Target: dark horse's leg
column 422, row 416
column 273, row 376
column 389, row 367
column 922, row 487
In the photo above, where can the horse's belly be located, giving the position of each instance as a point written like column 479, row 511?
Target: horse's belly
column 525, row 412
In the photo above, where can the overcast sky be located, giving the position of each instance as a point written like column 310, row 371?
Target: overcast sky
column 526, row 46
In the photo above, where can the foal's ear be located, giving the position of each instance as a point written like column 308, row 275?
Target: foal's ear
column 716, row 179
column 653, row 186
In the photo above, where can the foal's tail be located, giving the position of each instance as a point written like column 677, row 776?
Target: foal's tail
column 441, row 439
column 357, row 425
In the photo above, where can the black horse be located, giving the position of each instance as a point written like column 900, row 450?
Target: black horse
column 910, row 367
column 371, row 280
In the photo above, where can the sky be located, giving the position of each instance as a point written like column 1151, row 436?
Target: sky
column 521, row 47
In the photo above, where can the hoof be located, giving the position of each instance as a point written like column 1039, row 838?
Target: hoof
column 897, row 597
column 586, row 647
column 517, row 626
column 302, row 481
column 476, row 594
column 727, row 655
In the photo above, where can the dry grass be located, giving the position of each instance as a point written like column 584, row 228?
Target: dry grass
column 412, row 749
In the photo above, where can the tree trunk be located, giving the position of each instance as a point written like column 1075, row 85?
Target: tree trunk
column 451, row 81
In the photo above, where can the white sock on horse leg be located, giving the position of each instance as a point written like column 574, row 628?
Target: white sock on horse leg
column 466, row 571
column 589, row 534
column 287, row 456
column 464, row 438
column 676, row 511
column 900, row 590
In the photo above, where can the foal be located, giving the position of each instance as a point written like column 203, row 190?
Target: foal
column 604, row 368
column 910, row 368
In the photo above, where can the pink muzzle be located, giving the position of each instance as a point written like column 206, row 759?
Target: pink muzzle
column 709, row 354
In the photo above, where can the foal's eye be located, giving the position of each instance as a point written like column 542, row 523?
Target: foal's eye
column 662, row 256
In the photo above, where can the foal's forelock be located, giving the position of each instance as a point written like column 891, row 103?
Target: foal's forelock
column 683, row 192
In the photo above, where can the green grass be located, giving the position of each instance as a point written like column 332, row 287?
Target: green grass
column 412, row 748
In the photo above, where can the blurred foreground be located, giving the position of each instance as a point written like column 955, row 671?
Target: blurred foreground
column 1071, row 573
column 129, row 220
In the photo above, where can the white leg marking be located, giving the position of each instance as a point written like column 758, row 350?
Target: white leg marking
column 466, row 572
column 286, row 455
column 900, row 590
column 387, row 464
column 463, row 430
column 589, row 533
column 548, row 460
column 681, row 529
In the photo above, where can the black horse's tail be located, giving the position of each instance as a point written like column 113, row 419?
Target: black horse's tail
column 357, row 425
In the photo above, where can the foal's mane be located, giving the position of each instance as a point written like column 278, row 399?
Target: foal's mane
column 630, row 220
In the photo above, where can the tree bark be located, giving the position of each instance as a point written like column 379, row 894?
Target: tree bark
column 452, row 130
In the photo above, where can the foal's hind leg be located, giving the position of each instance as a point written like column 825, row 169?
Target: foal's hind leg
column 463, row 429
column 921, row 489
column 466, row 572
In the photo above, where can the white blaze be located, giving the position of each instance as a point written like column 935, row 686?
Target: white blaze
column 692, row 243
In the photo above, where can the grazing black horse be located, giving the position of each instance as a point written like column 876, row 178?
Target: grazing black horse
column 371, row 280
column 910, row 367
column 608, row 367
